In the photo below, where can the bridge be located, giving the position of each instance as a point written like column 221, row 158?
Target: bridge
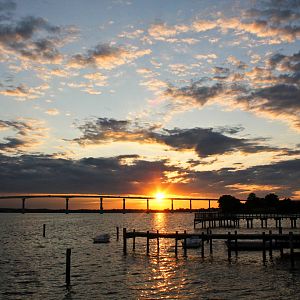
column 101, row 198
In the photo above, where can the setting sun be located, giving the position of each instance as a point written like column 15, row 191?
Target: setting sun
column 159, row 196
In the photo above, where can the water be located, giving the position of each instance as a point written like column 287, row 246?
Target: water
column 33, row 267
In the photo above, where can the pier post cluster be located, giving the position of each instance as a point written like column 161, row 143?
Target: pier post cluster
column 213, row 219
column 264, row 242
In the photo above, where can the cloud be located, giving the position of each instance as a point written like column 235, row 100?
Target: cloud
column 270, row 91
column 107, row 56
column 29, row 134
column 32, row 38
column 22, row 38
column 203, row 141
column 195, row 93
column 273, row 24
column 106, row 175
column 112, row 175
column 52, row 112
column 160, row 30
column 6, row 9
column 23, row 92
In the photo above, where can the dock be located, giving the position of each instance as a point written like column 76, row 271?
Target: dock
column 269, row 242
column 213, row 219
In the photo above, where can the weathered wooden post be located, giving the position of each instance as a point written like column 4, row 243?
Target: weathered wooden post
column 209, row 204
column 148, row 246
column 271, row 243
column 133, row 240
column 157, row 242
column 235, row 243
column 23, row 205
column 202, row 245
column 67, row 205
column 190, row 205
column 210, row 242
column 124, row 206
column 68, row 267
column 44, row 230
column 184, row 245
column 229, row 245
column 124, row 242
column 176, row 243
column 264, row 246
column 172, row 206
column 117, row 232
column 291, row 249
column 101, row 205
column 280, row 241
column 147, row 206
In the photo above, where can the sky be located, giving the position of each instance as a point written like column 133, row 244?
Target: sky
column 190, row 98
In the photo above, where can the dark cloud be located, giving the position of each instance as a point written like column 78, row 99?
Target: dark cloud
column 195, row 92
column 28, row 134
column 272, row 91
column 6, row 9
column 33, row 37
column 106, row 56
column 29, row 173
column 276, row 18
column 204, row 141
column 281, row 97
column 46, row 174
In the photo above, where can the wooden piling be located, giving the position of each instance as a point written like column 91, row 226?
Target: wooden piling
column 133, row 240
column 210, row 242
column 190, row 205
column 291, row 249
column 235, row 243
column 157, row 242
column 270, row 243
column 202, row 245
column 68, row 267
column 124, row 242
column 44, row 230
column 280, row 241
column 148, row 244
column 117, row 232
column 147, row 206
column 184, row 245
column 176, row 243
column 264, row 247
column 229, row 245
column 172, row 206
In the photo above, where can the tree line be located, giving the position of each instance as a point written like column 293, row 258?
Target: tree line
column 270, row 203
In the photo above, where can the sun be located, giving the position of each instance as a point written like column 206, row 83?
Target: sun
column 159, row 196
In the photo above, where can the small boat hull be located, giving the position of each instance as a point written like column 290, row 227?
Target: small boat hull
column 193, row 242
column 102, row 238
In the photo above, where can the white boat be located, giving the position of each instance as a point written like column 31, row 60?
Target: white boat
column 102, row 238
column 192, row 242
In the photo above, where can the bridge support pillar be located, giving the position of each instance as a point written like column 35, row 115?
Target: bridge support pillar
column 67, row 205
column 23, row 205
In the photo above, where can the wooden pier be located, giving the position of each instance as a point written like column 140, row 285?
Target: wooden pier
column 268, row 242
column 213, row 219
